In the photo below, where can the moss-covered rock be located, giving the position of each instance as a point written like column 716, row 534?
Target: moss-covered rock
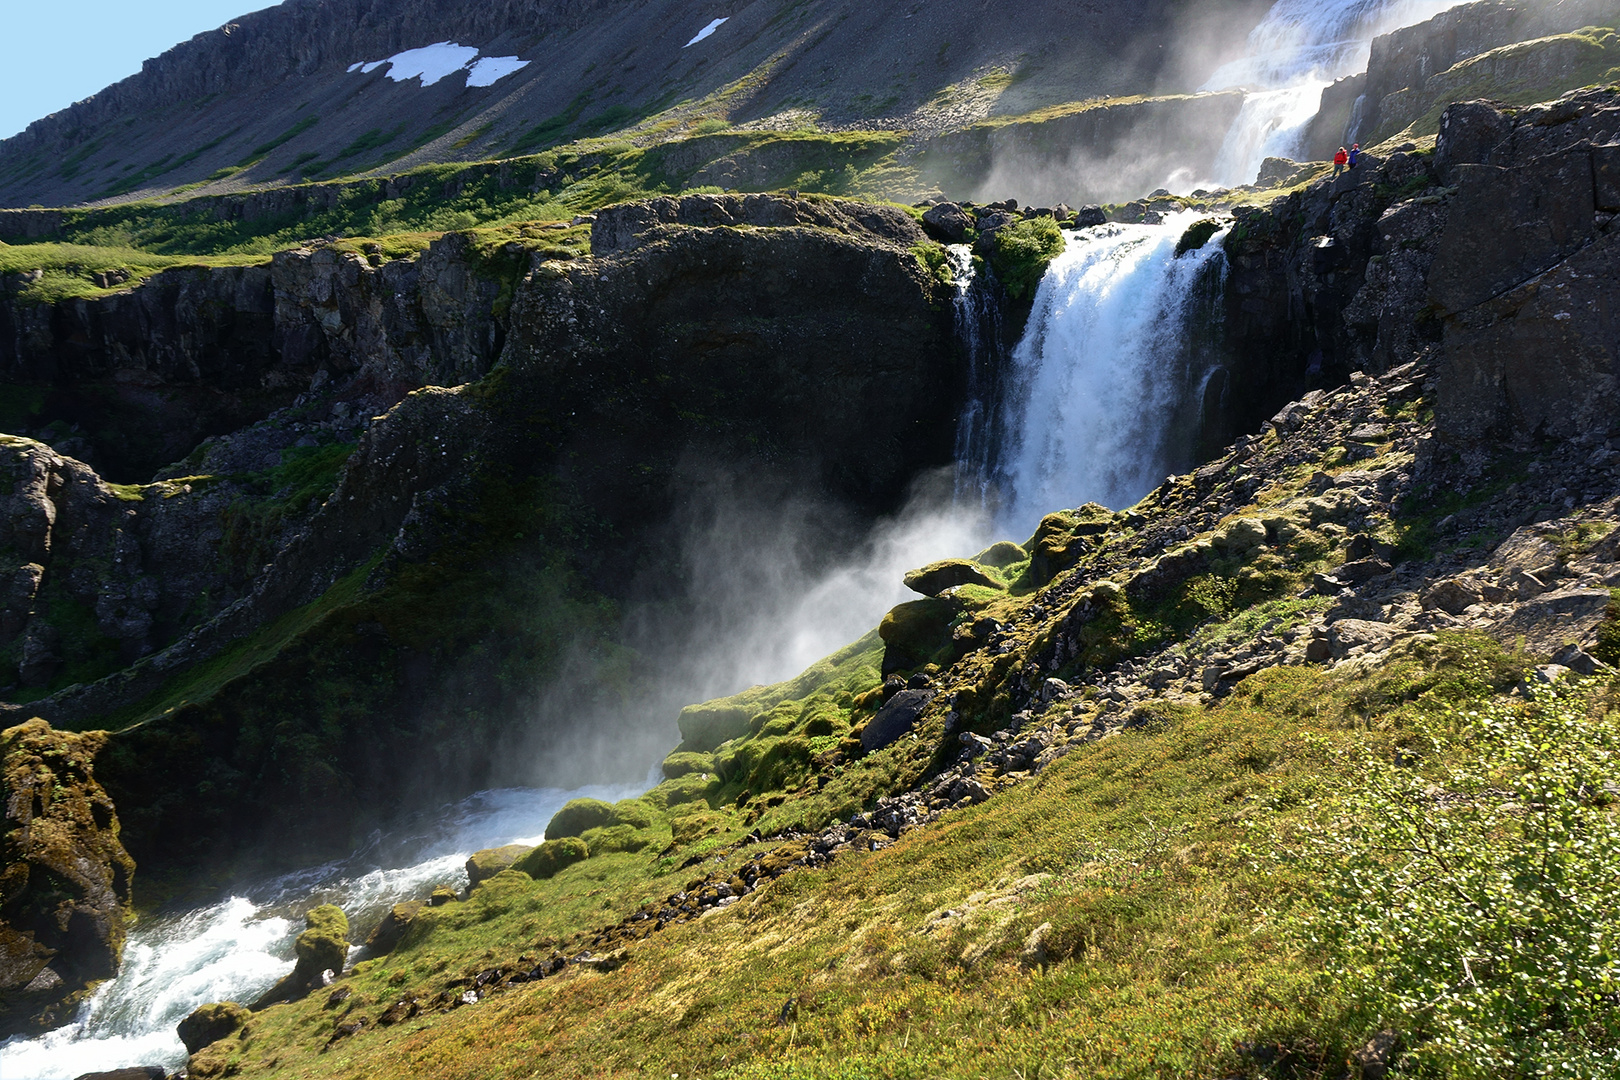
column 612, row 838
column 1021, row 252
column 578, row 816
column 913, row 633
column 552, row 856
column 392, row 929
column 1002, row 554
column 64, row 876
column 704, row 727
column 322, row 947
column 684, row 763
column 1061, row 539
column 936, row 578
column 210, row 1023
column 485, row 864
column 1197, row 235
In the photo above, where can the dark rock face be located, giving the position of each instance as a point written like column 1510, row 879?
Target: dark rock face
column 895, row 719
column 1527, row 300
column 149, row 372
column 64, row 877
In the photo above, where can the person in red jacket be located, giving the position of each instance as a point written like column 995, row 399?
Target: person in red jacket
column 1340, row 160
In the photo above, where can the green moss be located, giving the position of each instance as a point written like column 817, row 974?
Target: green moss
column 579, row 816
column 553, row 856
column 1022, row 252
column 1197, row 235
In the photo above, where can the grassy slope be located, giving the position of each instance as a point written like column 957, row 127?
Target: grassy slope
column 906, row 962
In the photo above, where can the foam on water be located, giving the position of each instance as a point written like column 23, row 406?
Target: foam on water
column 236, row 949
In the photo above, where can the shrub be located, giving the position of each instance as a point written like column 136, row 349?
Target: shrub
column 1022, row 252
column 1475, row 906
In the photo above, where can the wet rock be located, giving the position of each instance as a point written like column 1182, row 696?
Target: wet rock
column 211, row 1023
column 139, row 1072
column 1089, row 216
column 483, row 865
column 64, row 876
column 895, row 719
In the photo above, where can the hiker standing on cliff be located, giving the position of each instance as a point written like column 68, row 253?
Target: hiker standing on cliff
column 1355, row 154
column 1339, row 161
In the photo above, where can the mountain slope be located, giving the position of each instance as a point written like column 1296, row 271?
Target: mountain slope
column 274, row 96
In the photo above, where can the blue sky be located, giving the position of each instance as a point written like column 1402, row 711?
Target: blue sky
column 61, row 52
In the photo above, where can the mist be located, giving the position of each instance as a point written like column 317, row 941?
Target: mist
column 767, row 581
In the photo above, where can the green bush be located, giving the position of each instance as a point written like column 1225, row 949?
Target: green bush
column 1474, row 905
column 1022, row 252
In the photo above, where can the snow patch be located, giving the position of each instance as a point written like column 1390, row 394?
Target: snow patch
column 356, row 66
column 705, row 32
column 488, row 69
column 433, row 63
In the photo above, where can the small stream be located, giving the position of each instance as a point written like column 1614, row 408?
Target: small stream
column 236, row 949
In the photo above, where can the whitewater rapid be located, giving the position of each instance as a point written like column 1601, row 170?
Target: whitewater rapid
column 1104, row 393
column 236, row 949
column 1300, row 48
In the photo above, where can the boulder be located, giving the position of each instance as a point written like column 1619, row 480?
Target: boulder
column 936, row 578
column 1088, row 216
column 704, row 727
column 485, row 864
column 1002, row 554
column 137, row 1072
column 1347, row 634
column 1549, row 622
column 947, row 223
column 392, row 929
column 1452, row 596
column 64, row 876
column 912, row 633
column 211, row 1023
column 579, row 815
column 322, row 947
column 895, row 719
column 553, row 855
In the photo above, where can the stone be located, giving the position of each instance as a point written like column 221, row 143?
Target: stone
column 1578, row 660
column 1453, row 596
column 947, row 223
column 895, row 719
column 1376, row 1054
column 936, row 578
column 704, row 727
column 1362, row 570
column 913, row 633
column 1548, row 623
column 483, row 865
column 578, row 816
column 211, row 1023
column 322, row 947
column 138, row 1072
column 1034, row 954
column 1090, row 216
column 1347, row 634
column 552, row 856
column 64, row 875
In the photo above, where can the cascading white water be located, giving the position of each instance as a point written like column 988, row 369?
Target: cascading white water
column 236, row 949
column 1297, row 50
column 1108, row 369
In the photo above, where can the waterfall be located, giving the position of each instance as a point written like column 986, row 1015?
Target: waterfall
column 1105, row 389
column 979, row 328
column 1297, row 50
column 236, row 949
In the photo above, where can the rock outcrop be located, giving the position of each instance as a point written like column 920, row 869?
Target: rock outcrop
column 64, row 877
column 322, row 950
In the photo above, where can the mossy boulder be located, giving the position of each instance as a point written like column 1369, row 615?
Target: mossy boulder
column 1062, row 538
column 913, row 633
column 636, row 813
column 322, row 947
column 485, row 864
column 211, row 1023
column 694, row 826
column 64, row 876
column 936, row 578
column 1000, row 555
column 684, row 763
column 578, row 816
column 616, row 838
column 1197, row 235
column 552, row 856
column 704, row 727
column 1020, row 253
column 392, row 929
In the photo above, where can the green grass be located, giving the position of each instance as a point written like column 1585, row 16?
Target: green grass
column 67, row 268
